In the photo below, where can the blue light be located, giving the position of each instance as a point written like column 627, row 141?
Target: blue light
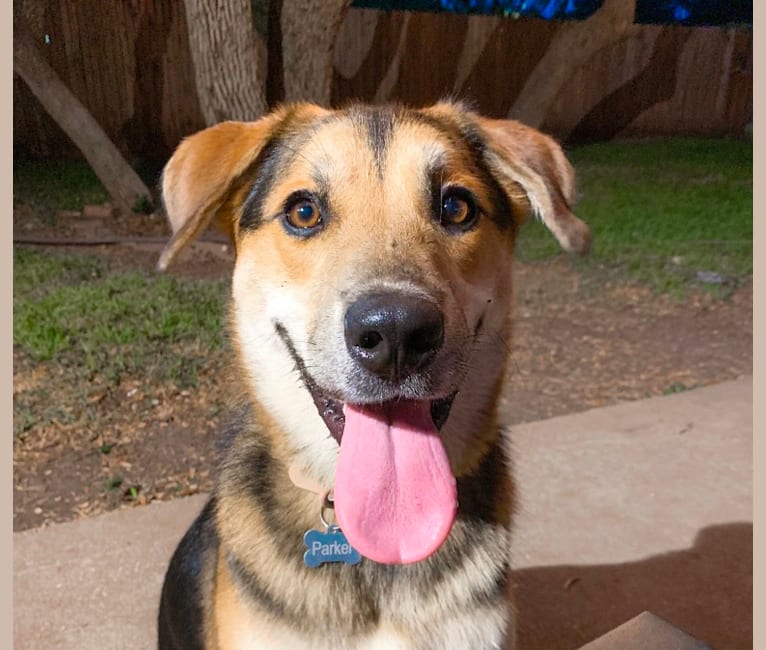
column 550, row 10
column 546, row 9
column 652, row 12
column 681, row 13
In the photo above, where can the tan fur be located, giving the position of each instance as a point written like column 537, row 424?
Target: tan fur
column 513, row 140
column 381, row 234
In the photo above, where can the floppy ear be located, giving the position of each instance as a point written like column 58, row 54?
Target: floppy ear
column 205, row 177
column 522, row 156
column 198, row 180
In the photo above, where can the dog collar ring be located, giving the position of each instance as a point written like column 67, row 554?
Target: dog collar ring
column 327, row 504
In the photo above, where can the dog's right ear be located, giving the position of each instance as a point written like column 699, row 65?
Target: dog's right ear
column 198, row 180
column 204, row 179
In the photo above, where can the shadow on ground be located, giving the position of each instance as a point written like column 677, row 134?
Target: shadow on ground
column 706, row 590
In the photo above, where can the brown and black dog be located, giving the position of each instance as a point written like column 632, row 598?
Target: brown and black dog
column 370, row 317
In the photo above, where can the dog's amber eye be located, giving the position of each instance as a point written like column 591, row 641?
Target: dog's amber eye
column 304, row 215
column 454, row 210
column 457, row 209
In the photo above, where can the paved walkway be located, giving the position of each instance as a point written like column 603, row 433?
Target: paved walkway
column 642, row 506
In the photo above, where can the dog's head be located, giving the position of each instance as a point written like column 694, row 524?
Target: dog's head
column 373, row 272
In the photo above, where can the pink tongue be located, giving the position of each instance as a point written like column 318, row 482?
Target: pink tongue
column 395, row 495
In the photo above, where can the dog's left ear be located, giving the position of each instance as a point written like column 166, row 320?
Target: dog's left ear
column 522, row 157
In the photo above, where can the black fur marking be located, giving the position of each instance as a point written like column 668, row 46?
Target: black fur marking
column 466, row 136
column 378, row 124
column 479, row 493
column 490, row 593
column 256, row 471
column 271, row 160
column 179, row 624
column 446, row 562
column 260, row 594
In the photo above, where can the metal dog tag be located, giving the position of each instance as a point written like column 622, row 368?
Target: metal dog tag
column 330, row 546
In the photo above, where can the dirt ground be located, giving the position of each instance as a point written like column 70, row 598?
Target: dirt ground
column 581, row 341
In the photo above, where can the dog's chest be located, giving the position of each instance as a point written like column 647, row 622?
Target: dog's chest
column 451, row 602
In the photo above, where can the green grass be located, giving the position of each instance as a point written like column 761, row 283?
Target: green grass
column 51, row 185
column 662, row 211
column 55, row 185
column 75, row 311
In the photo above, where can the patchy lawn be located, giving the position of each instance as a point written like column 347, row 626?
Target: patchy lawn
column 673, row 214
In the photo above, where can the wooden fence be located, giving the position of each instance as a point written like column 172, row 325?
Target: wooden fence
column 129, row 63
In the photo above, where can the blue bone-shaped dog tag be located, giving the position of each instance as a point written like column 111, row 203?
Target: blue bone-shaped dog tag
column 330, row 546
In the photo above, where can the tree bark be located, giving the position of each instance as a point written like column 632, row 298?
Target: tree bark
column 307, row 53
column 229, row 60
column 119, row 179
column 569, row 49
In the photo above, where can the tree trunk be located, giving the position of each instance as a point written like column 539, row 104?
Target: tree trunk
column 123, row 184
column 307, row 53
column 570, row 49
column 229, row 59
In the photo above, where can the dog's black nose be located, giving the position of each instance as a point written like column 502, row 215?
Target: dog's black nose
column 393, row 335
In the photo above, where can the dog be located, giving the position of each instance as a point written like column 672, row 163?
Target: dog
column 364, row 496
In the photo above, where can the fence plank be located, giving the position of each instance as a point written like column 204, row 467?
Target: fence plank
column 129, row 64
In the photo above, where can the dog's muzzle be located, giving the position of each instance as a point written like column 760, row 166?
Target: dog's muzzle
column 392, row 335
column 392, row 338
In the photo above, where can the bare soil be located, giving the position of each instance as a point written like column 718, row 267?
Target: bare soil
column 581, row 341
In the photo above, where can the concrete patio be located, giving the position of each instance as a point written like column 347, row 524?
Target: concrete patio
column 643, row 506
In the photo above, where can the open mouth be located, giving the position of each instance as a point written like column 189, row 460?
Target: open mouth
column 331, row 408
